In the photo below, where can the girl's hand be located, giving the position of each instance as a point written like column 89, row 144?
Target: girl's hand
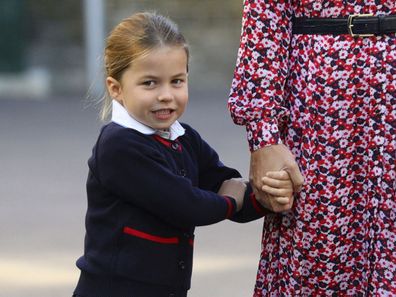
column 234, row 188
column 279, row 185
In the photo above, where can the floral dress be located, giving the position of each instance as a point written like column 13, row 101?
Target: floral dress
column 332, row 100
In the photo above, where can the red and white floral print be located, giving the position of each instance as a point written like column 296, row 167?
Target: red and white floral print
column 331, row 100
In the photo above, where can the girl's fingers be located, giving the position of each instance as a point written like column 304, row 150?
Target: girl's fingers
column 277, row 192
column 282, row 200
column 279, row 185
column 276, row 183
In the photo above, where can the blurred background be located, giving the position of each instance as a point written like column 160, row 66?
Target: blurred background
column 50, row 76
column 48, row 47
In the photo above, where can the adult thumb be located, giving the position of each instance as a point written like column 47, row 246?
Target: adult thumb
column 295, row 175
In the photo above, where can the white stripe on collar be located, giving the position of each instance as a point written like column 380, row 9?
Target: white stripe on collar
column 121, row 117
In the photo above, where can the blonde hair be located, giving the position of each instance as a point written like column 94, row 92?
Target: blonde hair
column 135, row 37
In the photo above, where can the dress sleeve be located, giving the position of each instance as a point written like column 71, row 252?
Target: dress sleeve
column 137, row 174
column 257, row 92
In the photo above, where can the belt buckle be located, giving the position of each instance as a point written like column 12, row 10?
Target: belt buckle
column 350, row 25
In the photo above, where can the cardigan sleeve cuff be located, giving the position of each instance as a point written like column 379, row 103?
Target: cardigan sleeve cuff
column 231, row 206
column 263, row 132
column 261, row 210
column 251, row 210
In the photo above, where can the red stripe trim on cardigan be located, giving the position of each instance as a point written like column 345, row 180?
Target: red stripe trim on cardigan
column 230, row 207
column 257, row 206
column 162, row 140
column 168, row 143
column 140, row 234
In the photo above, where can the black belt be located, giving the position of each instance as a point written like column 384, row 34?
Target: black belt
column 359, row 25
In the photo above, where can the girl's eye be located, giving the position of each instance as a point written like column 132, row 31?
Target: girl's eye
column 148, row 83
column 177, row 81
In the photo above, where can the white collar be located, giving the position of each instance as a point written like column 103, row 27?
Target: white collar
column 121, row 117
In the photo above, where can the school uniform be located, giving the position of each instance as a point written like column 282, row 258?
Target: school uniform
column 146, row 193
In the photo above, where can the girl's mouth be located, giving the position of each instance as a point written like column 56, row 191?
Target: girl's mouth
column 163, row 114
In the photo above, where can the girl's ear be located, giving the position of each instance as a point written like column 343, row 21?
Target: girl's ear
column 114, row 88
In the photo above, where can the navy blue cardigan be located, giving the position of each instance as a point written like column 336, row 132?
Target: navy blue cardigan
column 145, row 197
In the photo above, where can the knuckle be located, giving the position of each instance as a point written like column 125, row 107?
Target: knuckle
column 291, row 164
column 284, row 175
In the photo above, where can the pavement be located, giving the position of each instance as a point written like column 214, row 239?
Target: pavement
column 44, row 147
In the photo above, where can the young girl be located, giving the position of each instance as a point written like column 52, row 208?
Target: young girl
column 151, row 179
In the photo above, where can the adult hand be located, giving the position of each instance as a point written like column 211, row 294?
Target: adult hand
column 274, row 158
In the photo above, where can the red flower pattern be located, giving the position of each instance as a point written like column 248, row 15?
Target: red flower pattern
column 331, row 100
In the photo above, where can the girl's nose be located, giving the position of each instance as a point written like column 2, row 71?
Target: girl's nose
column 165, row 94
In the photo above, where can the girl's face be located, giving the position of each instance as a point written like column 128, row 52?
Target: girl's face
column 154, row 88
